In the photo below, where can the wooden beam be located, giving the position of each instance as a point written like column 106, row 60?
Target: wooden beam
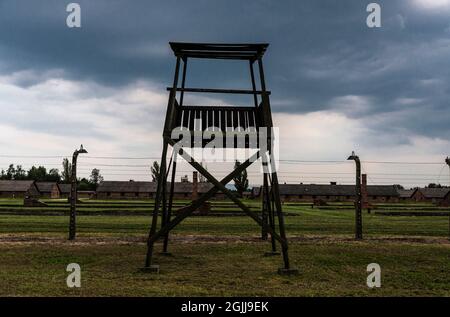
column 197, row 203
column 230, row 195
column 221, row 91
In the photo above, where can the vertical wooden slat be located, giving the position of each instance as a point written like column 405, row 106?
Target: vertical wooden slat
column 204, row 120
column 235, row 119
column 179, row 122
column 191, row 120
column 251, row 120
column 222, row 120
column 247, row 125
column 185, row 119
column 242, row 120
column 198, row 117
column 216, row 118
column 209, row 119
column 229, row 119
column 255, row 121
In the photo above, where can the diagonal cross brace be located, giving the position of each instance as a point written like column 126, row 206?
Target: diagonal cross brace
column 197, row 203
column 228, row 193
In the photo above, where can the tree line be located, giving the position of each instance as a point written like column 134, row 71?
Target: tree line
column 41, row 174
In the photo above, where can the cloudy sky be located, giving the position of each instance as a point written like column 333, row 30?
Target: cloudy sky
column 336, row 84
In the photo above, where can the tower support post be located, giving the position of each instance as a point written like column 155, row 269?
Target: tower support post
column 169, row 208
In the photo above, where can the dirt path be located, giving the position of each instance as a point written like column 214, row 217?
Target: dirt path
column 24, row 239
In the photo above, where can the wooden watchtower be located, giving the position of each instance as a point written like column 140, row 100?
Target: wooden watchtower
column 193, row 119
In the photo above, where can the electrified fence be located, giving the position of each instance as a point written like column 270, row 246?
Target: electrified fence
column 422, row 214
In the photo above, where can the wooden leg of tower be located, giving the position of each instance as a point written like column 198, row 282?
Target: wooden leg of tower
column 169, row 209
column 287, row 269
column 164, row 212
column 164, row 198
column 272, row 224
column 271, row 219
column 149, row 267
column 265, row 209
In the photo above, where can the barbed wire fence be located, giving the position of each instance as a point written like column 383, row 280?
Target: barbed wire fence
column 291, row 171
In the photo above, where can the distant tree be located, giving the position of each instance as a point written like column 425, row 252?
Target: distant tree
column 66, row 173
column 95, row 178
column 34, row 173
column 433, row 185
column 10, row 172
column 241, row 180
column 37, row 173
column 20, row 173
column 155, row 171
column 84, row 184
column 53, row 175
column 398, row 186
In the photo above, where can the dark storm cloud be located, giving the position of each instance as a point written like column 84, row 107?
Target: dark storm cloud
column 322, row 54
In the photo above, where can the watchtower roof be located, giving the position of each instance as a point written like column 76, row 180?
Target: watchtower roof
column 219, row 51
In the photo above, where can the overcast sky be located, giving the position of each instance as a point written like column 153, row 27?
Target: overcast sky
column 336, row 84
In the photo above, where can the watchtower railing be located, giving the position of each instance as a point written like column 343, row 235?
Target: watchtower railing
column 217, row 121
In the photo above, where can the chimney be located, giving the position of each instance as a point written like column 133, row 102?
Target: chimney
column 364, row 190
column 333, row 183
column 194, row 185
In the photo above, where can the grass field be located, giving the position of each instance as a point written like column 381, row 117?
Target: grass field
column 222, row 256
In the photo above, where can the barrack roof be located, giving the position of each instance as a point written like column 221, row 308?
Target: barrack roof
column 148, row 187
column 219, row 50
column 15, row 185
column 45, row 187
column 434, row 192
column 333, row 190
column 64, row 188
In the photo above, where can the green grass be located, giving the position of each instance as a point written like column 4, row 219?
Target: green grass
column 413, row 252
column 307, row 222
column 61, row 206
column 235, row 269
